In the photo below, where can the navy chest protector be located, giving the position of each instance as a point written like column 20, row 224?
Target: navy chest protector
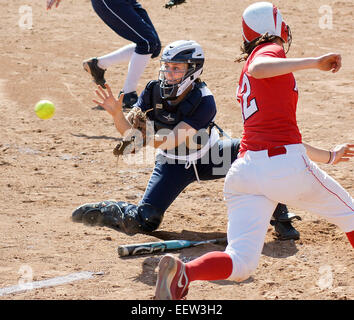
column 166, row 116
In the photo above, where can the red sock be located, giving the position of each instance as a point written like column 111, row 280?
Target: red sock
column 215, row 265
column 350, row 236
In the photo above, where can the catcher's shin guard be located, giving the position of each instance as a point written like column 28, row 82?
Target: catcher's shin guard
column 141, row 218
column 282, row 222
column 119, row 215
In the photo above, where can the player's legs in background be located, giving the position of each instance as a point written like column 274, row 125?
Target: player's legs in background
column 122, row 55
column 125, row 19
column 139, row 58
column 144, row 15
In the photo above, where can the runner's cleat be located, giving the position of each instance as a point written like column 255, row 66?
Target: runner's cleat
column 172, row 282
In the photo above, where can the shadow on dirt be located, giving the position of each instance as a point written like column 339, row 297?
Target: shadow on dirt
column 187, row 235
column 280, row 249
column 81, row 135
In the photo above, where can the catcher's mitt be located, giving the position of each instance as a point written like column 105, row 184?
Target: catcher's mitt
column 138, row 137
column 137, row 119
column 123, row 145
column 172, row 3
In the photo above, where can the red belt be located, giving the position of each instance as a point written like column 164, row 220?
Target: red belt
column 271, row 152
column 276, row 151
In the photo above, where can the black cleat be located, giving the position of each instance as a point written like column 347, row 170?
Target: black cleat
column 80, row 211
column 92, row 214
column 282, row 222
column 129, row 99
column 95, row 71
column 285, row 230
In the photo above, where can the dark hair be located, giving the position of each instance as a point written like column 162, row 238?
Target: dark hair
column 248, row 47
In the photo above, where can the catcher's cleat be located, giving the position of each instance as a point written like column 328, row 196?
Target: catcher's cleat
column 285, row 216
column 96, row 72
column 285, row 230
column 282, row 220
column 78, row 213
column 93, row 215
column 129, row 100
column 172, row 282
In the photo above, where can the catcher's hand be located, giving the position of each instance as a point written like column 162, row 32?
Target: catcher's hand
column 172, row 3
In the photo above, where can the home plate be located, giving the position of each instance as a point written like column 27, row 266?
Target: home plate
column 49, row 282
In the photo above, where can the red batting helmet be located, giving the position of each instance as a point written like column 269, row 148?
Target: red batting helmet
column 264, row 17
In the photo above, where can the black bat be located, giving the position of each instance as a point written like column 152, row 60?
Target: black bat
column 151, row 247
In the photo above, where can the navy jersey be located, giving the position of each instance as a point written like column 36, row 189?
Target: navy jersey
column 201, row 117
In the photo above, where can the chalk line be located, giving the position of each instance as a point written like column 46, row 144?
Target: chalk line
column 49, row 282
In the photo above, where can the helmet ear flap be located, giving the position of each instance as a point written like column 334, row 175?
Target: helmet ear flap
column 284, row 31
column 287, row 37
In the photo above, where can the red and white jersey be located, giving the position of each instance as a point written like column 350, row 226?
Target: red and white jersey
column 268, row 105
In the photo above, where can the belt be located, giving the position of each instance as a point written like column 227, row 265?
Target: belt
column 275, row 151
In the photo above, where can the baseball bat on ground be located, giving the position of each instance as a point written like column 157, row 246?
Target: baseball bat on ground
column 153, row 247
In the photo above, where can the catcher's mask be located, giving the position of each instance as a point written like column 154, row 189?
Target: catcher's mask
column 264, row 17
column 186, row 58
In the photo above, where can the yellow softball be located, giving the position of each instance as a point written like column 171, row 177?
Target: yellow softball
column 44, row 109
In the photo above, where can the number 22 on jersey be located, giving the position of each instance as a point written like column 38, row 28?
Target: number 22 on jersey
column 248, row 108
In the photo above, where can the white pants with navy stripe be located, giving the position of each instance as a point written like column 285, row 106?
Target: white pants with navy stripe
column 256, row 183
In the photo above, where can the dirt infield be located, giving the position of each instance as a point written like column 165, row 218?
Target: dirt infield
column 49, row 167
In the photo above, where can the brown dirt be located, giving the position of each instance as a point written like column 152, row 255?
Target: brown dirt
column 49, row 167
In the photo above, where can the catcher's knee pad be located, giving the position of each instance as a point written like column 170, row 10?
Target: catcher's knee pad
column 141, row 218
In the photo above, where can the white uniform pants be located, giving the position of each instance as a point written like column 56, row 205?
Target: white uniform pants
column 256, row 183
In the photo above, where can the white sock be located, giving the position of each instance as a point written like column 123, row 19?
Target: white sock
column 137, row 65
column 121, row 55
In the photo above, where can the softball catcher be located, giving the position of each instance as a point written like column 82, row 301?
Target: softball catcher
column 181, row 108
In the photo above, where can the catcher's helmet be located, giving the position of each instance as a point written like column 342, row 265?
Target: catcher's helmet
column 264, row 17
column 181, row 51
